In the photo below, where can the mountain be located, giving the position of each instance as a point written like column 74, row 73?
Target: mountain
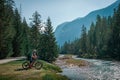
column 69, row 31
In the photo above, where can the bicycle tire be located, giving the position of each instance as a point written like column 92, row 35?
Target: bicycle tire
column 38, row 65
column 25, row 65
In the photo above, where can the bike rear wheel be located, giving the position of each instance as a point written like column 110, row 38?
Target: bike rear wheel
column 38, row 65
column 25, row 65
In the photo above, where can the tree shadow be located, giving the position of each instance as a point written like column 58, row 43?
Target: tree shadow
column 21, row 69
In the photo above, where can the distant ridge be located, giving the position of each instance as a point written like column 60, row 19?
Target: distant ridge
column 68, row 31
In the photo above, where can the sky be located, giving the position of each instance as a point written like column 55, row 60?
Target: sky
column 60, row 10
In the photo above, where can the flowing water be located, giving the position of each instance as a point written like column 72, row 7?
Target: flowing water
column 98, row 70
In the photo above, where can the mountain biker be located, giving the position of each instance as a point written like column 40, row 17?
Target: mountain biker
column 33, row 58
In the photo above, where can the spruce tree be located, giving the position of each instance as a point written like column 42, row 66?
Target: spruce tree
column 91, row 41
column 34, row 31
column 2, row 12
column 65, row 48
column 18, row 39
column 83, row 41
column 7, row 31
column 48, row 50
column 114, row 42
column 26, row 38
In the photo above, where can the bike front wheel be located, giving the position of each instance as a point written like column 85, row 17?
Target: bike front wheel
column 38, row 65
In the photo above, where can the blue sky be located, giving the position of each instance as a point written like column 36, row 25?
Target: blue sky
column 60, row 10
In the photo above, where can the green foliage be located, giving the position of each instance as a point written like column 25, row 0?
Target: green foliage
column 34, row 31
column 54, row 77
column 26, row 39
column 114, row 41
column 51, row 67
column 18, row 39
column 17, row 42
column 83, row 40
column 70, row 47
column 2, row 77
column 91, row 39
column 12, row 39
column 101, row 41
column 48, row 77
column 7, row 31
column 48, row 47
column 48, row 71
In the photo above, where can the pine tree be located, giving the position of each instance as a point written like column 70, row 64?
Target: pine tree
column 7, row 30
column 18, row 39
column 64, row 48
column 2, row 12
column 98, row 33
column 103, row 37
column 35, row 34
column 91, row 41
column 114, row 42
column 2, row 7
column 108, row 37
column 48, row 50
column 68, row 48
column 83, row 41
column 26, row 38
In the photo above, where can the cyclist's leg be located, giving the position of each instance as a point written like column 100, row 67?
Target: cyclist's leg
column 32, row 62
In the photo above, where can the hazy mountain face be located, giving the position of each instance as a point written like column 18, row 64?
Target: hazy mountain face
column 69, row 31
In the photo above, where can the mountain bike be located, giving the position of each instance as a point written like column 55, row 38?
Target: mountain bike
column 37, row 64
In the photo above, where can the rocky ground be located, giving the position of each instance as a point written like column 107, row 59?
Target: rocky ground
column 67, row 61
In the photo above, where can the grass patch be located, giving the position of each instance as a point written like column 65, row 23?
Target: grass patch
column 76, row 62
column 51, row 67
column 54, row 77
column 13, row 71
column 6, row 78
column 69, row 60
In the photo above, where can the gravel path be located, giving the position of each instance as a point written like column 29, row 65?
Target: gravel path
column 10, row 59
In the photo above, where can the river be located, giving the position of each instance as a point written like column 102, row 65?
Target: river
column 98, row 70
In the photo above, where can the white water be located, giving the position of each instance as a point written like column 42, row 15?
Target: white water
column 98, row 70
